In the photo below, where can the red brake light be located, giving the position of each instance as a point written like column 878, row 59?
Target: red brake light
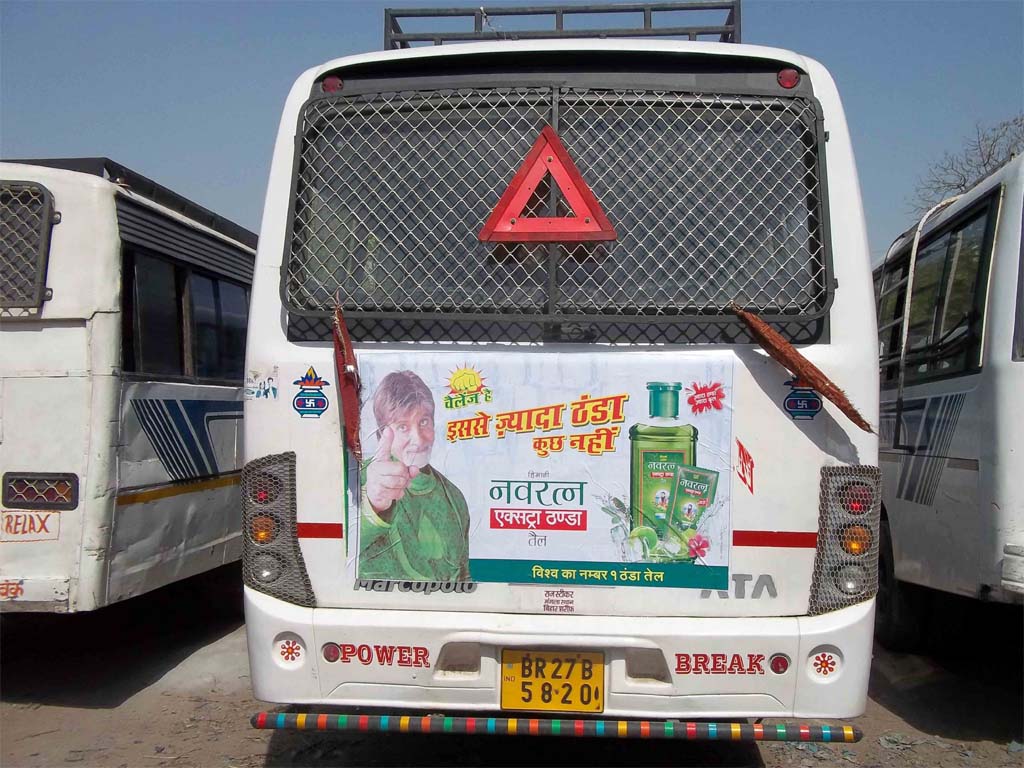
column 331, row 651
column 779, row 663
column 264, row 488
column 789, row 78
column 333, row 84
column 857, row 498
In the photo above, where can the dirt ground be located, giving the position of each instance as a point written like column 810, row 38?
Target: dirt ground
column 163, row 682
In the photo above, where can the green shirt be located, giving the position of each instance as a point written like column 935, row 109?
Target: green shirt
column 427, row 538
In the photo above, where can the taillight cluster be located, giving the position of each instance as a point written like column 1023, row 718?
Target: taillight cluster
column 271, row 559
column 40, row 490
column 846, row 565
column 263, row 490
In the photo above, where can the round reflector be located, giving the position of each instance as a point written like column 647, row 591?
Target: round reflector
column 855, row 539
column 333, row 84
column 331, row 652
column 779, row 663
column 789, row 78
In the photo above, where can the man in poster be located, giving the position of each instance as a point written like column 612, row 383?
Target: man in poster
column 414, row 523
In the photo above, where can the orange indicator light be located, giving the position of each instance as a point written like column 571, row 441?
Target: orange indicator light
column 856, row 539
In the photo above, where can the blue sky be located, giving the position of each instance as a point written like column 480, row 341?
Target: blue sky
column 190, row 93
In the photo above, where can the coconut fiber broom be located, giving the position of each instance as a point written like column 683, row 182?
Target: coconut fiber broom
column 804, row 370
column 347, row 368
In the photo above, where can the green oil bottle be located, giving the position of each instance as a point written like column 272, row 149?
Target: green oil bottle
column 658, row 448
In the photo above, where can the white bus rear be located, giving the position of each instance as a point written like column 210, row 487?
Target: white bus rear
column 503, row 379
column 122, row 322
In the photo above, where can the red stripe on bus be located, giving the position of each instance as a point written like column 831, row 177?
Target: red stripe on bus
column 470, row 725
column 261, row 720
column 691, row 730
column 425, row 724
column 805, row 733
column 319, row 531
column 578, row 727
column 321, row 722
column 800, row 539
column 645, row 729
column 364, row 722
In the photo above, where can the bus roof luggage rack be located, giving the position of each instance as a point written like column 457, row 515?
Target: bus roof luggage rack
column 485, row 30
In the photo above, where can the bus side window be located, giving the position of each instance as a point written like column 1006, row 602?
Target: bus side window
column 890, row 320
column 958, row 349
column 206, row 342
column 219, row 315
column 234, row 303
column 157, row 317
column 946, row 308
column 925, row 303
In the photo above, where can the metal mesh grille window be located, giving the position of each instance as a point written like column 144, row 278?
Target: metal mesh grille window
column 26, row 215
column 714, row 198
column 40, row 490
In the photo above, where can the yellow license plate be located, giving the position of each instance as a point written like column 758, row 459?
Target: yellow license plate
column 552, row 681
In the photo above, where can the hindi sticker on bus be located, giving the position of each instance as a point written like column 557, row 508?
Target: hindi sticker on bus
column 531, row 475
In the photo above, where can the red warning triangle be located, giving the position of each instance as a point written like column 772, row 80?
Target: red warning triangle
column 506, row 223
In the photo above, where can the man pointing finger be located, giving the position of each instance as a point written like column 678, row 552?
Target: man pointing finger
column 414, row 521
column 388, row 477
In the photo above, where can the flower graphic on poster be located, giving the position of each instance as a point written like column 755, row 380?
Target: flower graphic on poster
column 824, row 664
column 706, row 397
column 290, row 650
column 698, row 546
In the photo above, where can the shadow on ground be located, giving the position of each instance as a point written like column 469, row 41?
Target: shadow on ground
column 101, row 658
column 290, row 748
column 967, row 685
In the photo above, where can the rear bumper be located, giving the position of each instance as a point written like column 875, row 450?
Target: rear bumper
column 659, row 667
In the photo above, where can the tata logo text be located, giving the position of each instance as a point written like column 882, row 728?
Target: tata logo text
column 764, row 585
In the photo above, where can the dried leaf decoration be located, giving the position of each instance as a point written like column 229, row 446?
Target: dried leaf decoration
column 789, row 357
column 348, row 381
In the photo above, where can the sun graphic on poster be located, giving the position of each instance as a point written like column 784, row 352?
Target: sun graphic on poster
column 466, row 381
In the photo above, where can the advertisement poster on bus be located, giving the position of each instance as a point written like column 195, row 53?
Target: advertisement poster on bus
column 545, row 469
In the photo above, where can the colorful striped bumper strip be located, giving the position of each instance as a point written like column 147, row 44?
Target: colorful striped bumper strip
column 507, row 726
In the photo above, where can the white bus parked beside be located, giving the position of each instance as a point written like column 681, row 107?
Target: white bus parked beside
column 535, row 472
column 952, row 375
column 123, row 309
